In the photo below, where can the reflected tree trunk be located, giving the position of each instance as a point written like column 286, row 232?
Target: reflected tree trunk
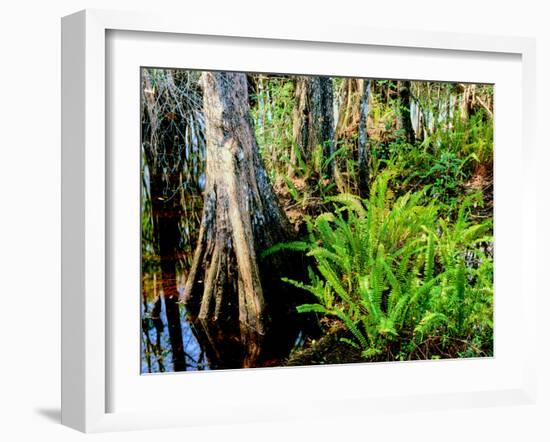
column 166, row 222
column 166, row 215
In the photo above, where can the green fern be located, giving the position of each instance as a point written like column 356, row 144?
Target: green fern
column 391, row 270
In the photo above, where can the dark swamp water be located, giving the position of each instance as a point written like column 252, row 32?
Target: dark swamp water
column 157, row 351
column 172, row 341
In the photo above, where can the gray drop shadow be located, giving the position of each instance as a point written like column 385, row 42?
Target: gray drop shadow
column 51, row 414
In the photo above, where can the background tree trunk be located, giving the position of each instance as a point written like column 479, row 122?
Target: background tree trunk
column 351, row 132
column 241, row 215
column 362, row 147
column 313, row 121
column 405, row 110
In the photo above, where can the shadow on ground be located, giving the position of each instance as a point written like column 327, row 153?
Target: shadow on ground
column 51, row 414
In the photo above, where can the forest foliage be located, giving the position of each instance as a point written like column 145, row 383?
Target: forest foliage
column 399, row 262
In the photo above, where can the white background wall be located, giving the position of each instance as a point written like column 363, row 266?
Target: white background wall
column 30, row 216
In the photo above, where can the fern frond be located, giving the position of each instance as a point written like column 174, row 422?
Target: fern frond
column 312, row 308
column 352, row 327
column 298, row 246
column 349, row 342
column 371, row 352
column 430, row 254
column 428, row 322
column 349, row 201
column 370, row 299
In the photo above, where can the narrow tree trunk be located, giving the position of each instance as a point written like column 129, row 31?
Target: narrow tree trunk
column 241, row 215
column 326, row 118
column 300, row 124
column 313, row 121
column 405, row 110
column 348, row 130
column 362, row 148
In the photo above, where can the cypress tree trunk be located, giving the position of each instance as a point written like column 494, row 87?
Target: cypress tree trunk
column 405, row 110
column 362, row 148
column 300, row 118
column 313, row 121
column 326, row 117
column 351, row 131
column 241, row 215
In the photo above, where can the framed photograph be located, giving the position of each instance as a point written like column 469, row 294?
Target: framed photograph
column 252, row 213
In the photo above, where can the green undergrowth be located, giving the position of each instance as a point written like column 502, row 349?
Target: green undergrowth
column 406, row 281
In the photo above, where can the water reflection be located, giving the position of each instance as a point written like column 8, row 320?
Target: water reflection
column 162, row 317
column 173, row 341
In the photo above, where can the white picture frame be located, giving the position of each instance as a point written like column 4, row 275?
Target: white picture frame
column 86, row 309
